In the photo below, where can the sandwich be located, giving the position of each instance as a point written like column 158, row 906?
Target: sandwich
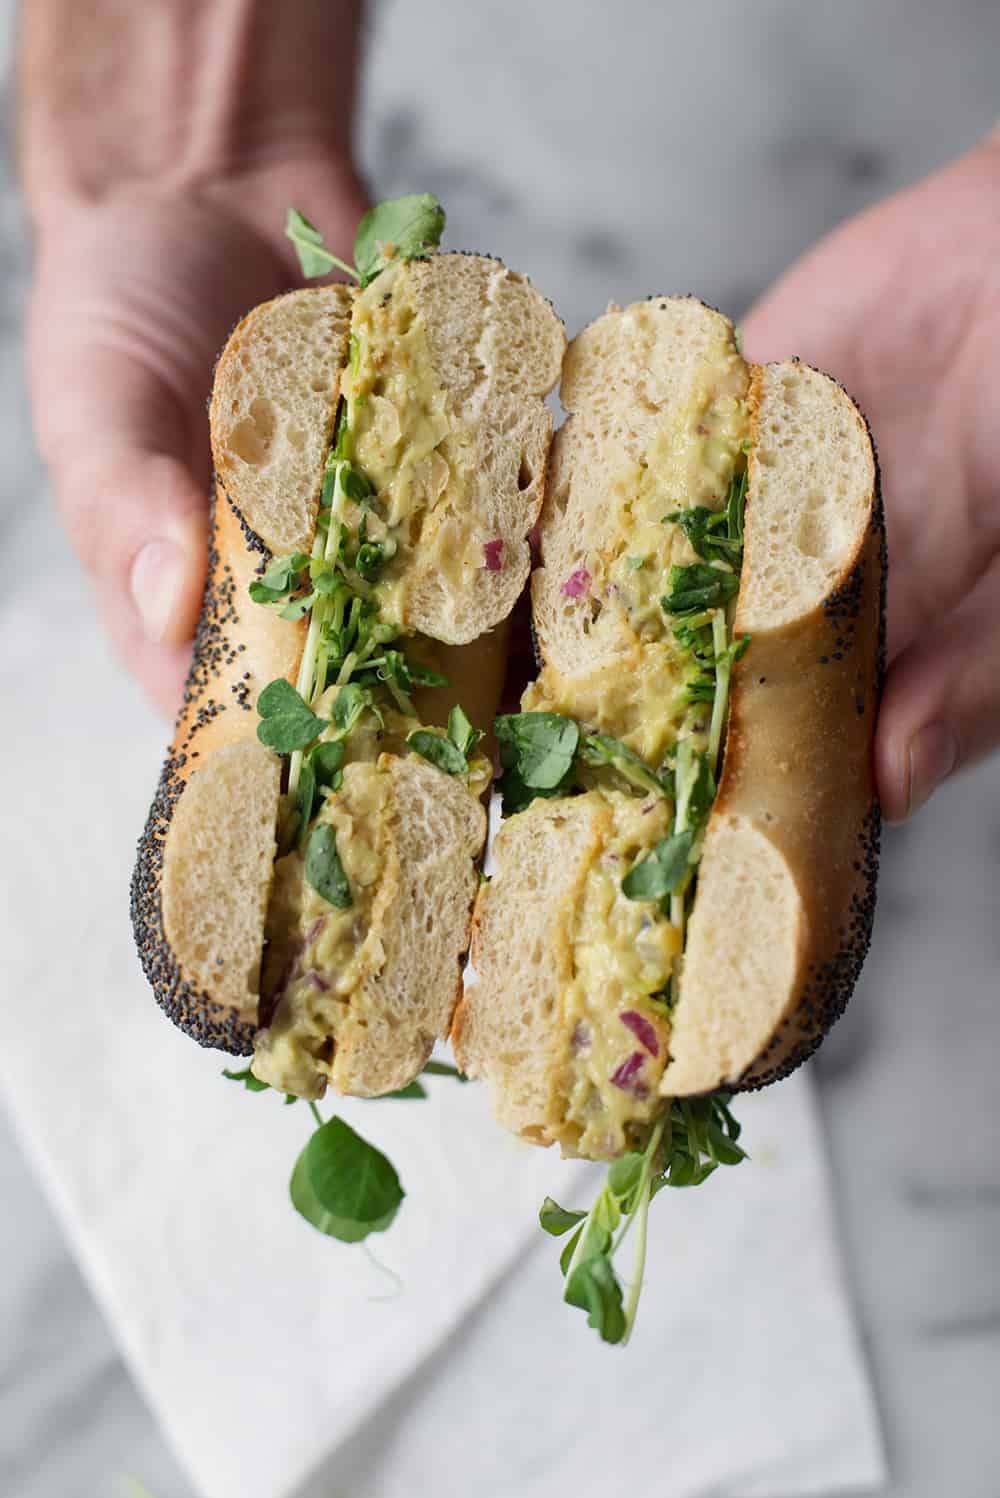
column 304, row 883
column 685, row 877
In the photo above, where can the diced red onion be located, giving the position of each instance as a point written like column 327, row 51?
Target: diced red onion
column 317, row 980
column 642, row 1029
column 625, row 1076
column 315, row 929
column 576, row 584
column 535, row 538
column 493, row 552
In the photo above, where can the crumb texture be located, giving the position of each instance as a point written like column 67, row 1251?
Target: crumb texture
column 273, row 408
column 507, row 1029
column 219, row 856
column 421, row 917
column 812, row 476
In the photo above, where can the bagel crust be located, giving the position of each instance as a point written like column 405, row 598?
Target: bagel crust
column 234, row 658
column 202, row 956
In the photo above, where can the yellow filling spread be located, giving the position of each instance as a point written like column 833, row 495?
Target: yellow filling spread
column 624, row 950
column 633, row 691
column 419, row 460
column 319, row 955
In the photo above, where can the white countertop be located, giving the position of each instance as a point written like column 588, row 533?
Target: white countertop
column 611, row 173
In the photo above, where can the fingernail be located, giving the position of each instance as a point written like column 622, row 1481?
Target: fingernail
column 157, row 585
column 933, row 755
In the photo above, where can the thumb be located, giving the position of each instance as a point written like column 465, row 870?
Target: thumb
column 941, row 706
column 133, row 499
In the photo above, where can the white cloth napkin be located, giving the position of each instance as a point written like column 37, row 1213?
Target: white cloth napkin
column 282, row 1363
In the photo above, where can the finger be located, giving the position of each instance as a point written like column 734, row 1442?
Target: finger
column 941, row 707
column 149, row 570
column 133, row 499
column 130, row 307
column 139, row 523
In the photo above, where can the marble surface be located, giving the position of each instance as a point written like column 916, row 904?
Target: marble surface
column 615, row 153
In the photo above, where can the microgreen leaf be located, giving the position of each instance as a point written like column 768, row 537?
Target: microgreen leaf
column 326, row 580
column 722, row 1148
column 305, row 796
column 569, row 1251
column 405, row 674
column 623, row 1175
column 325, row 762
column 421, row 676
column 370, row 559
column 695, row 784
column 705, row 529
column 278, row 579
column 735, row 506
column 716, row 535
column 286, row 723
column 557, row 1220
column 413, row 1090
column 698, row 586
column 344, row 1186
column 348, row 706
column 297, row 608
column 314, row 258
column 356, row 484
column 442, row 1069
column 339, row 453
column 400, row 228
column 699, row 686
column 250, row 1082
column 538, row 747
column 324, row 870
column 438, row 750
column 662, row 871
column 600, row 749
column 461, row 732
column 594, row 1287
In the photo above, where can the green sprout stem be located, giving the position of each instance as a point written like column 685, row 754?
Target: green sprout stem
column 306, row 681
column 349, row 270
column 641, row 1216
column 317, row 1115
column 686, row 766
column 723, row 668
column 686, row 771
column 580, row 1242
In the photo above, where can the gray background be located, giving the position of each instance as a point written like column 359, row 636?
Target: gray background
column 614, row 152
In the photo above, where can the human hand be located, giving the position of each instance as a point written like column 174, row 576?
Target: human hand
column 902, row 304
column 138, row 282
